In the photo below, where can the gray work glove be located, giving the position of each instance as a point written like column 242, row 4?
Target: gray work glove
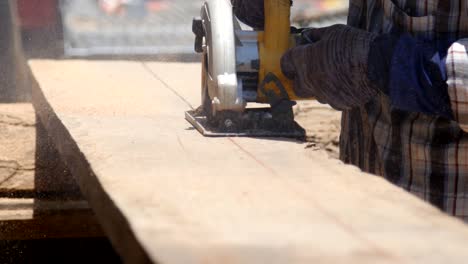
column 333, row 68
column 251, row 12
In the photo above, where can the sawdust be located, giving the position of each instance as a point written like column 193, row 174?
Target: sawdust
column 322, row 124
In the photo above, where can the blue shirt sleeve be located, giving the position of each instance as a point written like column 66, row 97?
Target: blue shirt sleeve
column 411, row 71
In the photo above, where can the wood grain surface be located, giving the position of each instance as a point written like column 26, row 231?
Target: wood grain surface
column 163, row 193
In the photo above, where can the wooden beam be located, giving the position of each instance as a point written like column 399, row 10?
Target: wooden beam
column 164, row 193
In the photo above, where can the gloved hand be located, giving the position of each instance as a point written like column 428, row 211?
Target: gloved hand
column 251, row 12
column 333, row 68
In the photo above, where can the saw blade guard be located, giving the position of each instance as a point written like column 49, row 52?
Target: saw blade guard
column 219, row 50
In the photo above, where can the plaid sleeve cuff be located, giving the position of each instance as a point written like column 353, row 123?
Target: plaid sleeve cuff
column 411, row 71
column 457, row 81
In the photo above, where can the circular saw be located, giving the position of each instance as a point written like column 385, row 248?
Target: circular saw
column 243, row 90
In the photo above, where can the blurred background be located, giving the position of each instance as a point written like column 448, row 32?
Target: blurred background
column 83, row 28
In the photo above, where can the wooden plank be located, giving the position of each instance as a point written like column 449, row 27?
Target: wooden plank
column 164, row 193
column 26, row 219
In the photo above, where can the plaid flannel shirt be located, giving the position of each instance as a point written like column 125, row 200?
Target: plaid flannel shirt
column 426, row 155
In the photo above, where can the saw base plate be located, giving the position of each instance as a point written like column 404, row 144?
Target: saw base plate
column 250, row 128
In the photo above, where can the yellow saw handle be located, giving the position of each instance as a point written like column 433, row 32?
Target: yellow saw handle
column 273, row 43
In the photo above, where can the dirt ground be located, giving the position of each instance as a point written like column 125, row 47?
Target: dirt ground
column 322, row 124
column 17, row 172
column 17, row 147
